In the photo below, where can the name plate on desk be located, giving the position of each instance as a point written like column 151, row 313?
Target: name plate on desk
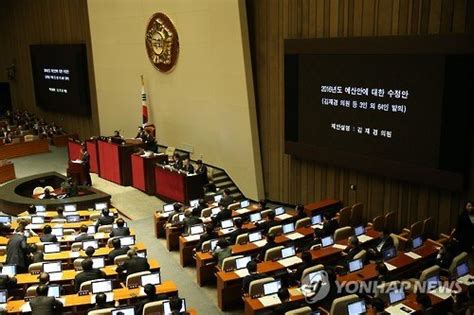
column 270, row 300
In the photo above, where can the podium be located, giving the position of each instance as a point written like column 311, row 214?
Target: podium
column 91, row 145
column 175, row 186
column 73, row 149
column 114, row 161
column 78, row 172
column 143, row 177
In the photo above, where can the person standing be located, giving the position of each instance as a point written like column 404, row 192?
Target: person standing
column 85, row 160
column 17, row 250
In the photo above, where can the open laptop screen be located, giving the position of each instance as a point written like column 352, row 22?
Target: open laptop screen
column 101, row 286
column 271, row 287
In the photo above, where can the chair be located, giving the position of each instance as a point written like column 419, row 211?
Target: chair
column 356, row 214
column 242, row 238
column 3, row 250
column 68, row 231
column 75, row 247
column 265, row 213
column 206, row 246
column 120, row 259
column 153, row 308
column 28, row 138
column 31, row 291
column 38, row 191
column 234, row 206
column 306, row 310
column 390, row 221
column 109, row 241
column 87, row 285
column 275, row 230
column 59, row 220
column 378, row 223
column 427, row 228
column 361, row 255
column 396, row 240
column 344, row 216
column 35, row 268
column 50, row 188
column 382, row 289
column 343, row 233
column 339, row 305
column 104, row 311
column 456, row 261
column 229, row 262
column 77, row 264
column 206, row 213
column 135, row 278
column 273, row 253
column 416, row 229
column 256, row 286
column 105, row 228
column 303, row 223
column 310, row 270
column 429, row 272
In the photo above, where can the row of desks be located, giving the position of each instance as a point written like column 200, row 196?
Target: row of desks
column 13, row 150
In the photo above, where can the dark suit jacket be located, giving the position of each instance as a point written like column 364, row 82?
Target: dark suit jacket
column 267, row 246
column 17, row 250
column 6, row 282
column 105, row 220
column 251, row 277
column 48, row 238
column 45, row 305
column 84, row 237
column 265, row 226
column 132, row 265
column 116, row 252
column 87, row 276
column 202, row 170
column 189, row 169
column 226, row 201
column 223, row 215
column 120, row 231
column 386, row 242
column 37, row 257
column 234, row 234
column 141, row 303
column 329, row 227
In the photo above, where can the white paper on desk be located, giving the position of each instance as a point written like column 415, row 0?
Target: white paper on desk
column 294, row 235
column 99, row 235
column 191, row 238
column 26, row 307
column 413, row 255
column 283, row 216
column 74, row 254
column 58, row 225
column 397, row 309
column 242, row 211
column 41, row 214
column 442, row 292
column 318, row 226
column 69, row 237
column 55, row 276
column 364, row 238
column 389, row 266
column 229, row 230
column 290, row 261
column 339, row 246
column 260, row 243
column 270, row 300
column 242, row 272
column 33, row 226
column 466, row 280
column 109, row 295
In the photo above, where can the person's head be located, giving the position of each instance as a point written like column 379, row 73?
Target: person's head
column 195, row 212
column 33, row 248
column 83, row 228
column 43, row 278
column 31, row 209
column 90, row 251
column 101, row 299
column 47, row 229
column 42, row 290
column 331, row 275
column 175, row 304
column 131, row 253
column 150, row 290
column 469, row 206
column 271, row 215
column 60, row 210
column 87, row 264
column 47, row 192
column 177, row 207
column 186, row 161
column 209, row 229
column 252, row 266
column 306, row 257
column 199, row 163
column 120, row 222
column 176, row 157
column 299, row 209
column 226, row 192
column 378, row 304
column 116, row 133
column 424, row 300
column 140, row 129
column 271, row 238
column 105, row 212
column 262, row 203
column 381, row 268
column 238, row 223
column 283, row 294
column 202, row 203
column 327, row 216
column 188, row 213
column 116, row 243
column 223, row 243
column 353, row 241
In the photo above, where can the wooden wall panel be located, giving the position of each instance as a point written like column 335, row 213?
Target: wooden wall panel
column 27, row 22
column 291, row 180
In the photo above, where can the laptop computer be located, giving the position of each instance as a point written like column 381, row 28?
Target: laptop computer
column 359, row 230
column 356, row 308
column 70, row 208
column 127, row 241
column 271, row 288
column 226, row 224
column 167, row 308
column 102, row 286
column 141, row 254
column 279, row 211
column 432, row 282
column 327, row 241
column 317, row 276
column 168, row 208
column 217, row 198
column 213, row 244
column 255, row 217
column 215, row 211
column 91, row 243
column 5, row 219
column 196, row 229
column 152, row 278
column 100, row 205
column 462, row 269
column 128, row 310
column 288, row 228
column 98, row 262
column 52, row 248
column 194, row 203
column 416, row 242
column 355, row 265
column 255, row 236
column 37, row 220
column 54, row 290
column 73, row 218
column 51, row 267
column 389, row 253
column 57, row 231
column 181, row 217
column 316, row 219
column 40, row 208
column 288, row 252
column 3, row 296
column 9, row 270
column 244, row 204
column 91, row 229
column 241, row 263
column 396, row 296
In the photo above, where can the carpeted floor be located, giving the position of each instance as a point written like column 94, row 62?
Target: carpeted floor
column 139, row 207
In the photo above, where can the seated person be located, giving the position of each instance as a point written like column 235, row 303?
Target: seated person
column 253, row 275
column 285, row 305
column 352, row 249
column 222, row 251
column 208, row 235
column 121, row 229
column 44, row 278
column 307, row 261
column 47, row 236
column 36, row 256
column 176, row 161
column 187, row 166
column 44, row 304
column 191, row 218
column 133, row 264
column 262, row 205
column 118, row 250
column 90, row 251
column 224, row 214
column 270, row 244
column 175, row 306
column 333, row 290
column 382, row 270
column 7, row 282
column 270, row 222
column 83, row 236
column 238, row 230
column 116, row 138
column 88, row 273
column 446, row 254
column 201, row 168
column 151, row 296
column 202, row 205
column 300, row 214
column 330, row 225
column 227, row 199
column 48, row 194
column 30, row 211
column 60, row 211
column 378, row 306
column 382, row 244
column 101, row 302
column 178, row 208
column 105, row 218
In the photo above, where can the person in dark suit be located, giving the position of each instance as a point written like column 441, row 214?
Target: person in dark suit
column 330, row 225
column 209, row 235
column 133, row 264
column 224, row 214
column 43, row 304
column 222, row 251
column 383, row 243
column 178, row 208
column 105, row 218
column 270, row 222
column 333, row 291
column 47, row 236
column 88, row 273
column 7, row 282
column 262, row 205
column 300, row 214
column 352, row 249
column 175, row 306
column 285, row 305
column 118, row 250
column 270, row 244
column 85, row 159
column 8, row 138
column 117, row 138
column 101, row 302
column 47, row 194
column 227, row 199
column 36, row 255
column 253, row 275
column 83, row 236
column 191, row 218
column 177, row 163
column 464, row 232
column 201, row 168
column 17, row 250
column 151, row 296
column 187, row 166
column 238, row 230
column 141, row 134
column 121, row 229
column 307, row 261
column 202, row 205
column 150, row 142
